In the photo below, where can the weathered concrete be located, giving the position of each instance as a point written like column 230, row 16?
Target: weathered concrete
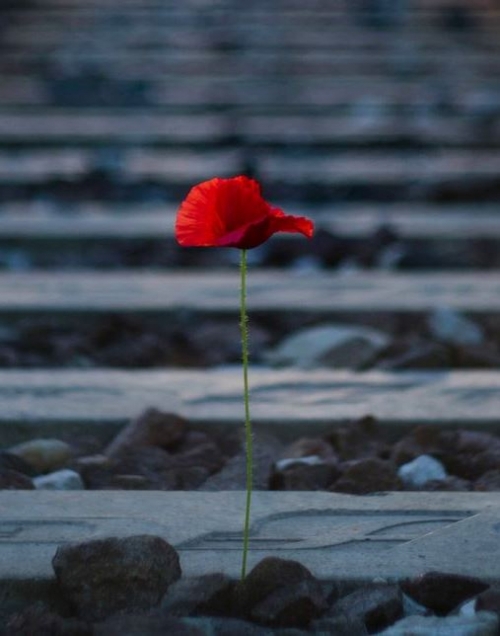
column 37, row 403
column 353, row 539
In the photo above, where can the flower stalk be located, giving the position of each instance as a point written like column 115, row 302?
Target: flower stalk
column 246, row 401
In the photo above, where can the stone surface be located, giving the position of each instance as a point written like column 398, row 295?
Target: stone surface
column 329, row 345
column 210, row 594
column 107, row 576
column 482, row 624
column 14, row 480
column 60, row 480
column 365, row 476
column 39, row 619
column 354, row 539
column 297, row 403
column 44, row 455
column 421, row 470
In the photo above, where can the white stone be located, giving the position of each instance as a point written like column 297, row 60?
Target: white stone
column 450, row 326
column 60, row 480
column 329, row 345
column 309, row 460
column 481, row 624
column 421, row 470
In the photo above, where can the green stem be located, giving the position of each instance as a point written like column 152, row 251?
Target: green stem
column 246, row 400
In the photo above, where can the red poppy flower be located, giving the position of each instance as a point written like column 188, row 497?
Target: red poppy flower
column 232, row 213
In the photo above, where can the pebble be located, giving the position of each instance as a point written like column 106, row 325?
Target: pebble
column 481, row 624
column 64, row 479
column 421, row 470
column 450, row 326
column 44, row 454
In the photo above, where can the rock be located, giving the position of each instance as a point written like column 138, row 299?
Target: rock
column 269, row 575
column 488, row 482
column 308, row 447
column 329, row 345
column 449, row 484
column 151, row 428
column 421, row 470
column 489, row 600
column 107, row 576
column 14, row 480
column 442, row 592
column 294, row 605
column 38, row 619
column 64, row 479
column 365, row 476
column 156, row 625
column 338, row 626
column 376, row 607
column 266, row 449
column 360, row 438
column 14, row 462
column 424, row 355
column 484, row 356
column 449, row 326
column 482, row 624
column 302, row 475
column 210, row 594
column 422, row 440
column 473, row 466
column 45, row 455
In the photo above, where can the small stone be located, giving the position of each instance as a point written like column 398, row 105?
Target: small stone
column 376, row 607
column 14, row 480
column 107, row 576
column 360, row 438
column 293, row 605
column 338, row 626
column 267, row 576
column 422, row 440
column 330, row 345
column 367, row 476
column 210, row 594
column 489, row 600
column 305, row 447
column 422, row 469
column 39, row 619
column 64, row 479
column 488, row 482
column 140, row 625
column 449, row 484
column 14, row 462
column 422, row 355
column 304, row 476
column 449, row 326
column 151, row 428
column 45, row 455
column 481, row 624
column 442, row 592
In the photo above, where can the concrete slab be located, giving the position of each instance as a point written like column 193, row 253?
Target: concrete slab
column 351, row 539
column 288, row 402
column 269, row 291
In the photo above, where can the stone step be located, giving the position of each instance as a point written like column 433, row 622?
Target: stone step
column 286, row 402
column 353, row 540
column 184, row 167
column 364, row 295
column 38, row 222
column 63, row 127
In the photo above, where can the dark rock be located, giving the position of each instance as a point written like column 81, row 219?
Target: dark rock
column 489, row 600
column 469, row 466
column 156, row 625
column 14, row 480
column 308, row 446
column 10, row 461
column 300, row 476
column 366, row 476
column 376, row 607
column 442, row 592
column 112, row 575
column 338, row 626
column 39, row 620
column 294, row 605
column 211, row 594
column 448, row 484
column 151, row 428
column 266, row 449
column 422, row 440
column 488, row 482
column 156, row 465
column 358, row 439
column 476, row 357
column 269, row 575
column 426, row 355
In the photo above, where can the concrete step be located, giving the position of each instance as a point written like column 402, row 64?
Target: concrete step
column 353, row 540
column 108, row 126
column 364, row 295
column 286, row 402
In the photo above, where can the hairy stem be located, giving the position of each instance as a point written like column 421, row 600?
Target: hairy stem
column 246, row 400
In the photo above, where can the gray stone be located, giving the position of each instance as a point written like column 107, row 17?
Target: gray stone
column 208, row 594
column 38, row 619
column 376, row 606
column 421, row 470
column 107, row 576
column 44, row 455
column 450, row 326
column 482, row 624
column 14, row 480
column 330, row 346
column 59, row 480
